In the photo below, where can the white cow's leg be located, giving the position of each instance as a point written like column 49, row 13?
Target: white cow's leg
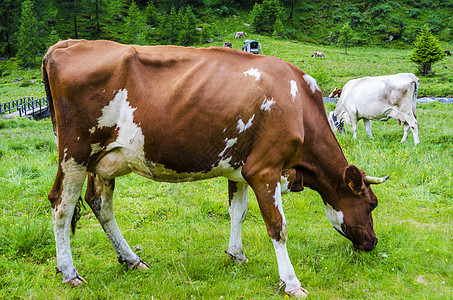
column 406, row 132
column 267, row 189
column 353, row 119
column 238, row 196
column 367, row 124
column 414, row 128
column 63, row 197
column 99, row 196
column 413, row 125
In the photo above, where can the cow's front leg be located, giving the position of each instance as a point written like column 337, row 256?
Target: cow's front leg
column 268, row 193
column 238, row 200
column 99, row 196
column 63, row 198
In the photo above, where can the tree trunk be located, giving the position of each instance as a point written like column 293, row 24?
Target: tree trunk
column 75, row 27
column 8, row 44
column 427, row 69
column 97, row 16
column 292, row 8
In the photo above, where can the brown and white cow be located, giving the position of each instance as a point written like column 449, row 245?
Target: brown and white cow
column 378, row 98
column 182, row 114
column 336, row 93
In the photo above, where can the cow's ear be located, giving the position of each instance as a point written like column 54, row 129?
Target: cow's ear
column 353, row 178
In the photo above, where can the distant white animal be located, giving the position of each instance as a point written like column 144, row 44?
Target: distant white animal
column 240, row 34
column 318, row 54
column 378, row 98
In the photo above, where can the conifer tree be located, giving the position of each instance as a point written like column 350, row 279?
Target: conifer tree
column 427, row 51
column 347, row 37
column 28, row 37
column 135, row 28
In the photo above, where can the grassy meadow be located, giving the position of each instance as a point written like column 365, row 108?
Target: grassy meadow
column 182, row 230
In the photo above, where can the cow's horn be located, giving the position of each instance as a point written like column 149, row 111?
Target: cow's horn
column 376, row 180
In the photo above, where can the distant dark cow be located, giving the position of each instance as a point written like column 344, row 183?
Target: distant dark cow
column 179, row 114
column 447, row 52
column 51, row 22
column 336, row 93
column 227, row 45
column 317, row 54
column 378, row 98
column 85, row 16
column 240, row 34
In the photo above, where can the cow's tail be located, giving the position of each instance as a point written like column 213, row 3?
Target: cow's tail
column 414, row 97
column 45, row 81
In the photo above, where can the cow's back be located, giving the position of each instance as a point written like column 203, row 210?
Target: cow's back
column 176, row 107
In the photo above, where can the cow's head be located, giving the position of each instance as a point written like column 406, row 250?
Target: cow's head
column 350, row 214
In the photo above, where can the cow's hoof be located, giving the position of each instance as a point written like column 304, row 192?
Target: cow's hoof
column 241, row 259
column 76, row 282
column 141, row 265
column 299, row 293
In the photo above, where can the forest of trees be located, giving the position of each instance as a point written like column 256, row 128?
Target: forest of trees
column 29, row 27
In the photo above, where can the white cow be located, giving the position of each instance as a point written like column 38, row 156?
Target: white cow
column 378, row 98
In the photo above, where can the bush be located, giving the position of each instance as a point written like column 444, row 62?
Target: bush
column 414, row 12
column 380, row 10
column 380, row 29
column 264, row 15
column 356, row 19
column 427, row 51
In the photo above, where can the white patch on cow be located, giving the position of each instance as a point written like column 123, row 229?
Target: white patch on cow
column 294, row 90
column 267, row 104
column 229, row 143
column 95, row 148
column 278, row 202
column 253, row 72
column 311, row 83
column 127, row 151
column 244, row 126
column 335, row 217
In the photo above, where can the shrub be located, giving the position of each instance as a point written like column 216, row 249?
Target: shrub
column 380, row 10
column 427, row 51
column 264, row 15
column 414, row 12
column 435, row 23
column 380, row 29
column 356, row 19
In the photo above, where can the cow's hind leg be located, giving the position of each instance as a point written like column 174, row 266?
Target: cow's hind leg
column 267, row 189
column 367, row 124
column 99, row 196
column 412, row 124
column 63, row 197
column 406, row 132
column 238, row 198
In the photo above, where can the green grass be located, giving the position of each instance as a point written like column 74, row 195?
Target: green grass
column 182, row 230
column 332, row 71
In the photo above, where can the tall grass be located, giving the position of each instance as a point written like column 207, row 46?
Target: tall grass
column 182, row 229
